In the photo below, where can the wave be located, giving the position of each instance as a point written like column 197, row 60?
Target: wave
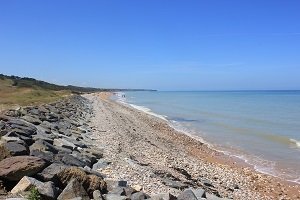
column 296, row 142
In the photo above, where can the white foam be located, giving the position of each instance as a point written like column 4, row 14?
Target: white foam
column 148, row 111
column 296, row 142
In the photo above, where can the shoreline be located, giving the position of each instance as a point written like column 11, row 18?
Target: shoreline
column 237, row 158
column 262, row 184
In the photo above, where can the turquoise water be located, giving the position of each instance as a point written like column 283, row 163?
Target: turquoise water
column 260, row 127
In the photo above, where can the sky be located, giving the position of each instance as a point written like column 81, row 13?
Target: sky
column 153, row 44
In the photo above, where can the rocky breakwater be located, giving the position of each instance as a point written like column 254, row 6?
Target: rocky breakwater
column 50, row 148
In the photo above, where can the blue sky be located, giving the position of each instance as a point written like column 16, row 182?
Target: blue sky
column 159, row 44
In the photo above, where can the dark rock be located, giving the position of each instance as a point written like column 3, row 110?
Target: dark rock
column 32, row 119
column 42, row 145
column 9, row 149
column 139, row 196
column 73, row 190
column 50, row 172
column 15, row 168
column 89, row 160
column 89, row 182
column 46, row 155
column 187, row 195
column 63, row 143
column 73, row 161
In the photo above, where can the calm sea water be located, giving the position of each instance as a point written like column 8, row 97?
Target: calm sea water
column 260, row 127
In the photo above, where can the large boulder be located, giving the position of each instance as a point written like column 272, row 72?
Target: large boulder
column 47, row 190
column 9, row 149
column 32, row 119
column 42, row 145
column 64, row 143
column 89, row 182
column 50, row 172
column 73, row 190
column 73, row 161
column 15, row 168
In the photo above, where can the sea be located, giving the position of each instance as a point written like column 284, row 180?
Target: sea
column 260, row 127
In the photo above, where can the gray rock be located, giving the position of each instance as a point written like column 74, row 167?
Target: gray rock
column 97, row 195
column 212, row 197
column 199, row 193
column 73, row 190
column 114, row 197
column 50, row 172
column 139, row 196
column 46, row 155
column 73, row 161
column 42, row 145
column 63, row 143
column 187, row 195
column 166, row 196
column 100, row 164
column 174, row 184
column 47, row 190
column 9, row 149
column 32, row 119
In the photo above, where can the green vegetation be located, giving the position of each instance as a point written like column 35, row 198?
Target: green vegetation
column 34, row 194
column 16, row 91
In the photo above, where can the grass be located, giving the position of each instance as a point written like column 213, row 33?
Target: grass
column 13, row 96
column 34, row 194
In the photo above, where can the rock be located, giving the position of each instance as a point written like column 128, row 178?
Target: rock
column 32, row 119
column 166, row 196
column 42, row 145
column 73, row 161
column 118, row 190
column 100, row 164
column 9, row 149
column 98, row 153
column 114, row 197
column 212, row 197
column 129, row 191
column 63, row 143
column 73, row 190
column 137, row 187
column 97, row 195
column 46, row 155
column 15, row 168
column 88, row 159
column 187, row 195
column 139, row 196
column 199, row 193
column 89, row 182
column 174, row 184
column 47, row 190
column 50, row 172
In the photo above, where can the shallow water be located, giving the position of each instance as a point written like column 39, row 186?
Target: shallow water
column 261, row 127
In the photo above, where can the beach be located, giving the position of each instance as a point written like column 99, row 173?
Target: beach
column 147, row 152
